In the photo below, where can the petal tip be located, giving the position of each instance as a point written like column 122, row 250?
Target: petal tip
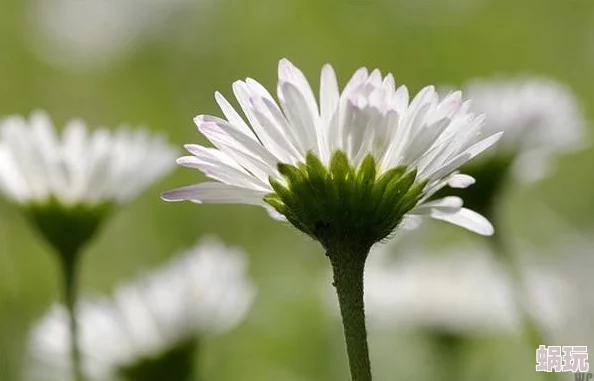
column 167, row 196
column 284, row 62
column 487, row 230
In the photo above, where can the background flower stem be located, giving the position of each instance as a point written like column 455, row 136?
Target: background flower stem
column 348, row 265
column 69, row 265
column 449, row 355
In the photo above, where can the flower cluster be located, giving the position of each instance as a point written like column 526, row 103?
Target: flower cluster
column 348, row 168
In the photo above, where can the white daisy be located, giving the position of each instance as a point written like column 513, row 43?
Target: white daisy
column 94, row 34
column 458, row 292
column 357, row 164
column 79, row 167
column 206, row 291
column 540, row 118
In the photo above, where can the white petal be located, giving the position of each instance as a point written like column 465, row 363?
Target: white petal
column 402, row 150
column 425, row 97
column 274, row 214
column 301, row 115
column 47, row 145
column 461, row 181
column 400, row 99
column 465, row 156
column 299, row 104
column 289, row 73
column 81, row 168
column 21, row 141
column 359, row 130
column 532, row 166
column 465, row 218
column 223, row 172
column 329, row 94
column 450, row 203
column 271, row 139
column 154, row 159
column 280, row 129
column 388, row 84
column 200, row 151
column 358, row 78
column 215, row 193
column 329, row 97
column 411, row 222
column 246, row 152
column 448, row 106
column 96, row 185
column 233, row 116
column 11, row 180
column 375, row 78
column 463, row 131
column 75, row 140
column 424, row 139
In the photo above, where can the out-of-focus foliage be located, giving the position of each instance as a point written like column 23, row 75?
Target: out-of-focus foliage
column 169, row 74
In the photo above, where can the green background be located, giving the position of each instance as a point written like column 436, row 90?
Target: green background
column 171, row 77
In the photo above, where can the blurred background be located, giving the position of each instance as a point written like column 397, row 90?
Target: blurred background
column 158, row 63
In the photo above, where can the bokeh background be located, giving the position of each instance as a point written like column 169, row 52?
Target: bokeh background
column 157, row 63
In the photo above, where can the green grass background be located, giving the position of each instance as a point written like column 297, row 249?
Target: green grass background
column 288, row 335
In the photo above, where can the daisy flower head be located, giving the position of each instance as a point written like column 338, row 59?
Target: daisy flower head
column 78, row 167
column 540, row 117
column 66, row 181
column 462, row 292
column 151, row 327
column 355, row 164
column 90, row 35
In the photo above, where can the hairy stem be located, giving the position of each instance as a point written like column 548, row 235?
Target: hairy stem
column 348, row 266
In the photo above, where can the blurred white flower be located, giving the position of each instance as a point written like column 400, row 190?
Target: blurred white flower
column 80, row 167
column 90, row 34
column 371, row 128
column 540, row 117
column 465, row 291
column 203, row 292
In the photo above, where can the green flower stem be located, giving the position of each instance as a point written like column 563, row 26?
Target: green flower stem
column 449, row 355
column 531, row 328
column 348, row 266
column 69, row 273
column 68, row 229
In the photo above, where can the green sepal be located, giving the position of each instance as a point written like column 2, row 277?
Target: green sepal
column 382, row 182
column 396, row 190
column 317, row 176
column 340, row 201
column 173, row 364
column 339, row 166
column 275, row 201
column 409, row 200
column 282, row 192
column 67, row 228
column 292, row 174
